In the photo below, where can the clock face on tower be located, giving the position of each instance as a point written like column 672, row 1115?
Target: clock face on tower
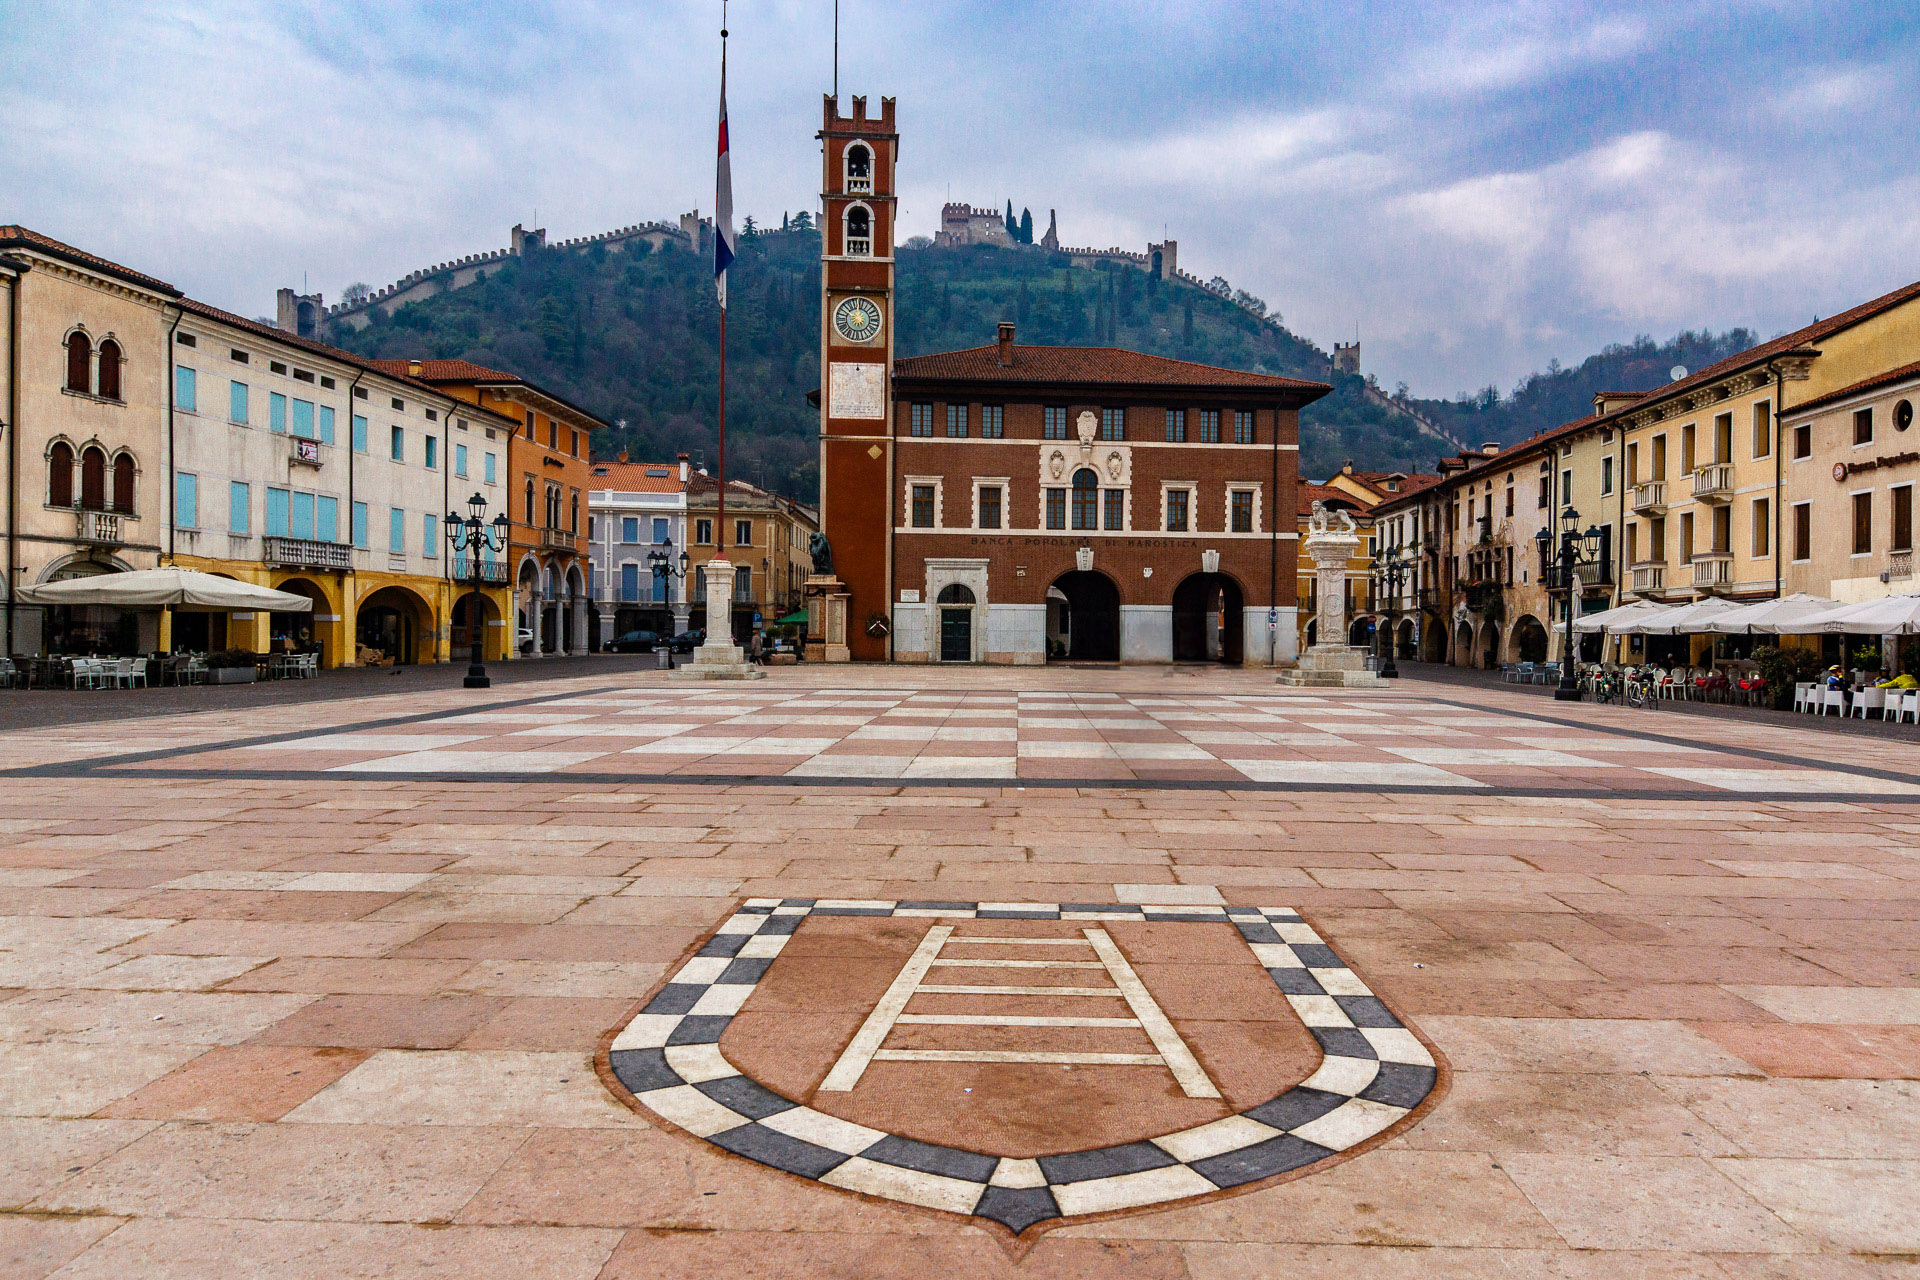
column 857, row 319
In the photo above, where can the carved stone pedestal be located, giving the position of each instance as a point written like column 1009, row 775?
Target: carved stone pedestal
column 826, row 619
column 1331, row 661
column 719, row 658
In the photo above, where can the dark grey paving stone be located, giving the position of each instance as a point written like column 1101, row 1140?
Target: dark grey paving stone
column 744, row 973
column 798, row 902
column 1343, row 1042
column 1366, row 1011
column 1257, row 930
column 725, row 944
column 705, row 1028
column 643, row 1069
column 1400, row 1084
column 750, row 1098
column 948, row 1162
column 1262, row 1160
column 1186, row 917
column 1296, row 1107
column 917, row 905
column 1296, row 982
column 778, row 925
column 675, row 997
column 838, row 911
column 1017, row 1207
column 1317, row 955
column 766, row 1146
column 1104, row 1162
column 1019, row 915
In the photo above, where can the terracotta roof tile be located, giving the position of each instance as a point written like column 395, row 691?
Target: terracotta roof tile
column 448, row 371
column 636, row 477
column 1878, row 380
column 18, row 237
column 1107, row 366
column 1305, row 495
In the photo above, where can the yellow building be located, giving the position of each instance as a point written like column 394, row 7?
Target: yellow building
column 766, row 542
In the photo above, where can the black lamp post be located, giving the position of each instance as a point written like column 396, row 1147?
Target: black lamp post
column 661, row 560
column 1576, row 551
column 1388, row 578
column 470, row 536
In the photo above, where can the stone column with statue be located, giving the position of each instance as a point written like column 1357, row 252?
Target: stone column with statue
column 719, row 658
column 1332, row 542
column 826, row 605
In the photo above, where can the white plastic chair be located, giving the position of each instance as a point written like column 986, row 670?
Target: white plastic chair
column 1869, row 700
column 1803, row 696
column 1834, row 700
column 1902, row 704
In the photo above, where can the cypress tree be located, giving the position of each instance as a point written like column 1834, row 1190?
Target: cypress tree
column 1026, row 226
column 1013, row 223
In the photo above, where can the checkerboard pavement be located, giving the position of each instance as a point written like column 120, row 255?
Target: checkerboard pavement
column 1373, row 1073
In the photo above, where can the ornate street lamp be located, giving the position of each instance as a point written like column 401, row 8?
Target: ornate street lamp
column 1388, row 577
column 1577, row 551
column 470, row 535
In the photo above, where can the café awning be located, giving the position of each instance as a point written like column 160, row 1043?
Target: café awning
column 1614, row 619
column 1891, row 616
column 1770, row 617
column 1686, row 619
column 158, row 588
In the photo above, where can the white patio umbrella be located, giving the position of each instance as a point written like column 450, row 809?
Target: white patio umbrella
column 155, row 588
column 1614, row 619
column 1682, row 620
column 1768, row 616
column 1891, row 616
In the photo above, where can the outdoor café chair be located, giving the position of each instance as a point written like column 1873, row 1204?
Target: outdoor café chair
column 1869, row 700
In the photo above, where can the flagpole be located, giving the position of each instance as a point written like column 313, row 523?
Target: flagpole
column 720, row 521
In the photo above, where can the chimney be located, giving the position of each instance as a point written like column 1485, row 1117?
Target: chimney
column 1490, row 448
column 683, row 468
column 1006, row 344
column 413, row 368
column 1347, row 469
column 623, row 455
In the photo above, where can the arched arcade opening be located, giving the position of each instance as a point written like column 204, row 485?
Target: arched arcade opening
column 1207, row 623
column 1083, row 618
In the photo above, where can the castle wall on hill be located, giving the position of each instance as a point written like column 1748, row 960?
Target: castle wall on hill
column 308, row 315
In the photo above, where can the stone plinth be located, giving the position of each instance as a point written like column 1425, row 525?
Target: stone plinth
column 1332, row 665
column 1331, row 661
column 719, row 658
column 826, row 619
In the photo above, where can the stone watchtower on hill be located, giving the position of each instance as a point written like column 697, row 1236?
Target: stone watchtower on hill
column 1346, row 357
column 300, row 313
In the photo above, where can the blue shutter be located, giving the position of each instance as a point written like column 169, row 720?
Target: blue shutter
column 237, row 403
column 303, row 419
column 276, row 513
column 276, row 411
column 360, row 524
column 490, row 475
column 397, row 530
column 433, row 452
column 429, row 535
column 239, row 507
column 326, row 424
column 183, row 389
column 186, row 500
column 629, row 582
column 326, row 518
column 359, row 434
column 399, row 445
column 460, row 460
column 300, row 515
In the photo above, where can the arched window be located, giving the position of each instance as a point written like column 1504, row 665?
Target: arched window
column 1086, row 499
column 60, row 475
column 79, row 363
column 859, row 232
column 123, row 484
column 529, row 502
column 955, row 593
column 93, row 479
column 574, row 519
column 859, row 167
column 110, row 369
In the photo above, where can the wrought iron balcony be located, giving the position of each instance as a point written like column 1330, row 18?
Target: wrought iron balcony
column 1713, row 483
column 1650, row 496
column 100, row 528
column 305, row 553
column 1900, row 564
column 494, row 571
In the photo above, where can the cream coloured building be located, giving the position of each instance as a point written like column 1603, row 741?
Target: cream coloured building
column 1853, row 462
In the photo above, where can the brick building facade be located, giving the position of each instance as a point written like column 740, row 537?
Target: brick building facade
column 1014, row 503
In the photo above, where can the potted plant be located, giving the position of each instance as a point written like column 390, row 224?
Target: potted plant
column 230, row 666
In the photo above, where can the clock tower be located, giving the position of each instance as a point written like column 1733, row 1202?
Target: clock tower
column 858, row 154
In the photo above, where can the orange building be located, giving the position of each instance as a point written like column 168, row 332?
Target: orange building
column 548, row 476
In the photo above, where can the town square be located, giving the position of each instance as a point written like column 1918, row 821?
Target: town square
column 815, row 723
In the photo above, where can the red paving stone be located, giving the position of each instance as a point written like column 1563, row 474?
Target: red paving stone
column 1679, row 990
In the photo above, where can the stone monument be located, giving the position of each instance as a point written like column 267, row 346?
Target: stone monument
column 719, row 658
column 826, row 605
column 1330, row 660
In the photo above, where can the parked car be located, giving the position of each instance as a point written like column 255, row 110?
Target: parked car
column 688, row 641
column 635, row 642
column 523, row 640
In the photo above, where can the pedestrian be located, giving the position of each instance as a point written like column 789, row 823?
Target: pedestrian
column 755, row 646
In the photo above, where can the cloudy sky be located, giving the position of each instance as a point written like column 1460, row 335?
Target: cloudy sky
column 1476, row 188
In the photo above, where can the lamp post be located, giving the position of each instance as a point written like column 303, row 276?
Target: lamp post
column 1576, row 550
column 1388, row 578
column 663, row 564
column 470, row 535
